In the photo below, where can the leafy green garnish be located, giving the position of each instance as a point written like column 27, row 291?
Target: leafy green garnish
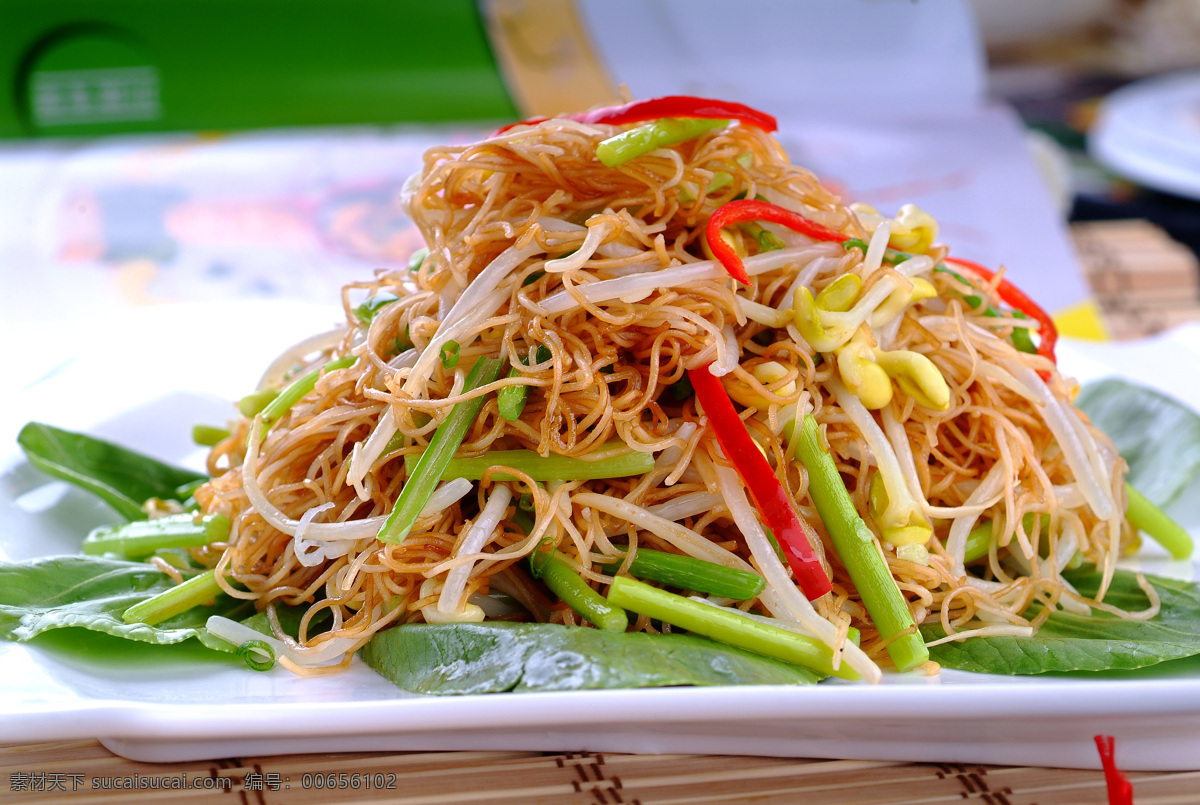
column 1157, row 436
column 93, row 593
column 417, row 259
column 681, row 389
column 122, row 477
column 1096, row 642
column 496, row 657
column 367, row 311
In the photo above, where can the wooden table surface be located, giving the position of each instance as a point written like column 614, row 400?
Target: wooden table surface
column 1144, row 283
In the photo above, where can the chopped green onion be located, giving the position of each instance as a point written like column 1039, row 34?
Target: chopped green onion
column 511, row 399
column 299, row 389
column 209, row 435
column 856, row 546
column 690, row 573
column 253, row 403
column 258, row 655
column 1020, row 335
column 449, row 354
column 399, row 345
column 140, row 538
column 542, row 468
column 726, row 627
column 575, row 592
column 180, row 598
column 767, row 240
column 1147, row 517
column 367, row 311
column 889, row 255
column 634, row 143
column 428, row 471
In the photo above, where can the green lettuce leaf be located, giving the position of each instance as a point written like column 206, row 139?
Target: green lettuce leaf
column 123, row 478
column 92, row 593
column 495, row 657
column 1098, row 642
column 1158, row 437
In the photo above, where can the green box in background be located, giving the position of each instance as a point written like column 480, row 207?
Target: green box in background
column 87, row 67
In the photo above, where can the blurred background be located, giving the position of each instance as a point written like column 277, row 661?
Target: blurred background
column 155, row 152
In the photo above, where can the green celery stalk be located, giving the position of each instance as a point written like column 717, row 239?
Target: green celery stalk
column 573, row 591
column 541, row 468
column 209, row 435
column 634, row 143
column 690, row 573
column 169, row 603
column 720, row 179
column 855, row 544
column 1151, row 520
column 428, row 471
column 254, row 402
column 140, row 538
column 298, row 389
column 979, row 540
column 726, row 627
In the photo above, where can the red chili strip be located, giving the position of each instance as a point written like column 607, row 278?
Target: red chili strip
column 768, row 494
column 666, row 106
column 1120, row 790
column 1018, row 300
column 742, row 210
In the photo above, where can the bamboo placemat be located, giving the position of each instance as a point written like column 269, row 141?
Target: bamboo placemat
column 1144, row 283
column 525, row 778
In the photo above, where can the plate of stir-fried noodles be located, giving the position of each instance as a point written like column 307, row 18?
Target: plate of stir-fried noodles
column 648, row 377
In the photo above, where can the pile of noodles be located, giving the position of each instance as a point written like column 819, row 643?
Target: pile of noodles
column 522, row 229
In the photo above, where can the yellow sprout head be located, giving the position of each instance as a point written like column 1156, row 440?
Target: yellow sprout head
column 865, row 378
column 916, row 376
column 767, row 373
column 899, row 525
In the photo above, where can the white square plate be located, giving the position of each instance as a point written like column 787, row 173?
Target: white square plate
column 146, row 381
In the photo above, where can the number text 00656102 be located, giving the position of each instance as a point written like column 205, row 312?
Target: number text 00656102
column 348, row 780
